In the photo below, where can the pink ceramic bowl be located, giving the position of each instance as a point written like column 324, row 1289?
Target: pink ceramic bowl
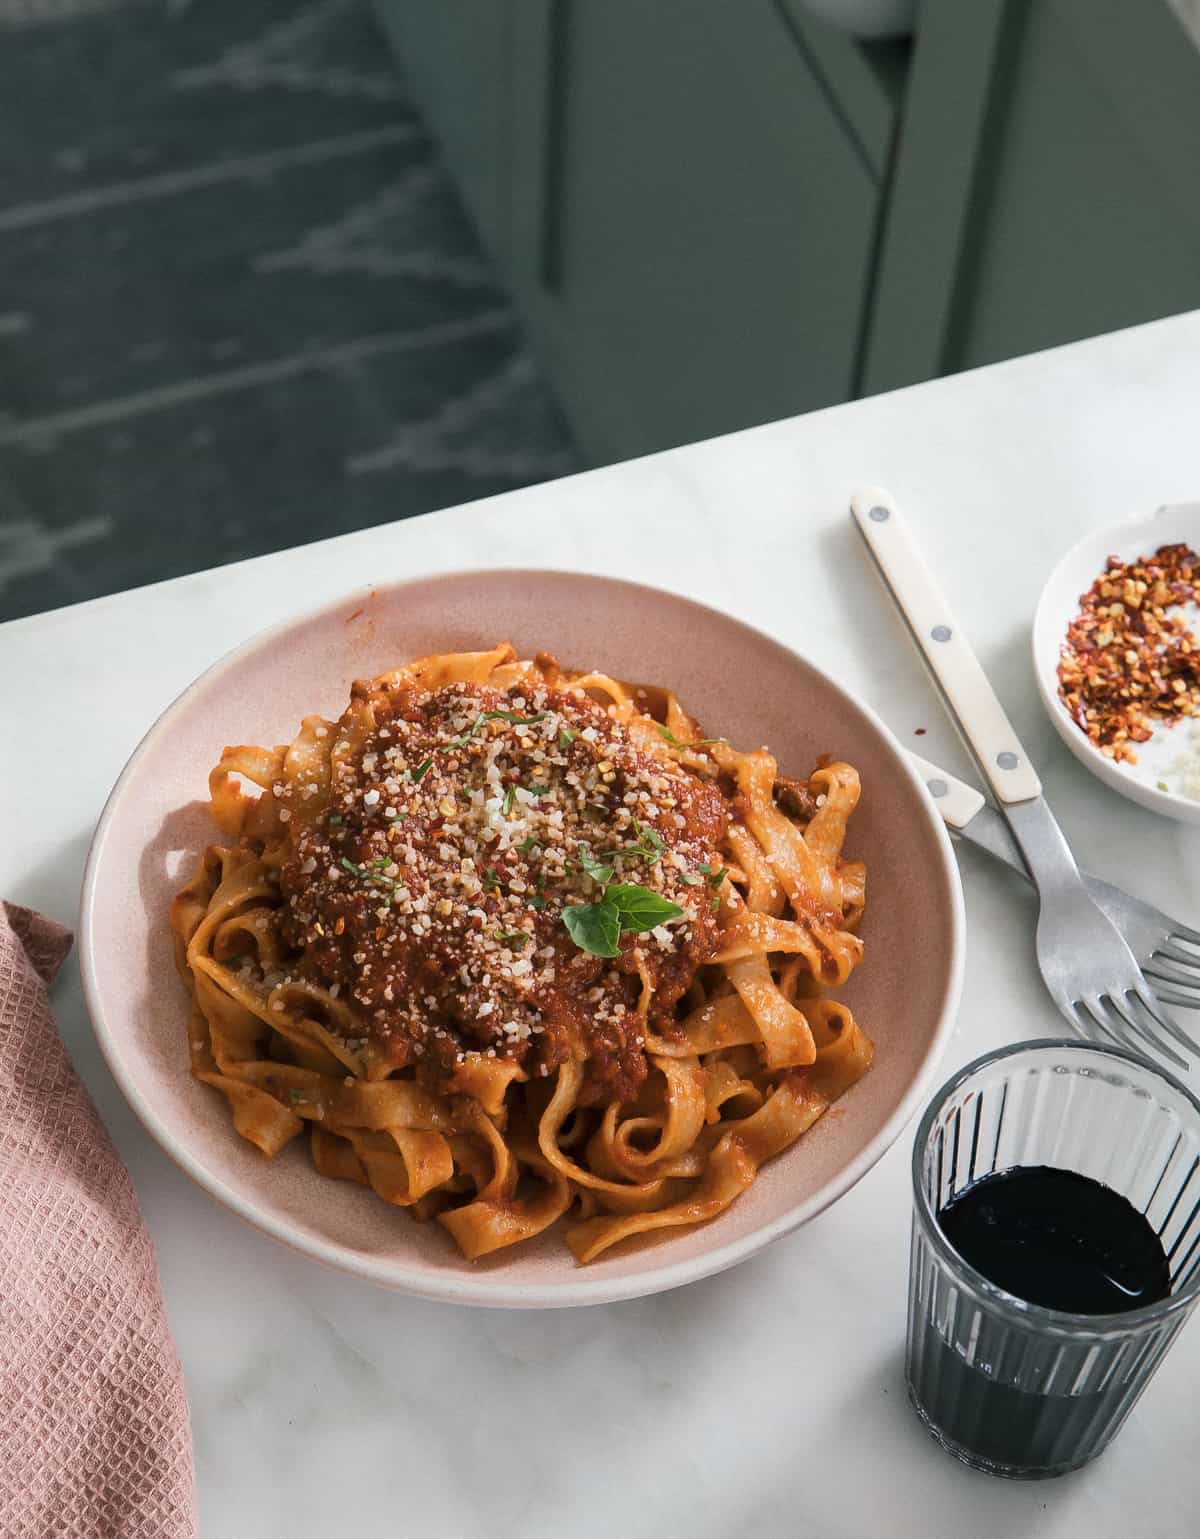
column 740, row 683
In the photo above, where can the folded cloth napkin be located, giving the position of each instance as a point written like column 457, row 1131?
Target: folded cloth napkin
column 94, row 1436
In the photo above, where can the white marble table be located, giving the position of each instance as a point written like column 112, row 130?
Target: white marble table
column 769, row 1400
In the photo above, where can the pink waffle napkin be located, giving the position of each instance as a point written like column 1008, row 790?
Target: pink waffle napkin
column 94, row 1437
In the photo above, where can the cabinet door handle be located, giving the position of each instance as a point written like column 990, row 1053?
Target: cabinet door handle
column 554, row 116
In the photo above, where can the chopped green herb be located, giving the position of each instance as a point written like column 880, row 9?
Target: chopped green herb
column 649, row 846
column 459, row 742
column 421, row 770
column 297, row 1096
column 491, row 879
column 527, row 844
column 523, row 721
column 335, row 820
column 702, row 742
column 690, row 879
column 1162, row 785
column 594, row 927
column 510, row 796
column 516, row 938
column 566, row 736
column 715, row 878
column 362, row 873
column 647, row 836
column 538, row 900
column 538, row 790
column 394, row 814
column 235, row 961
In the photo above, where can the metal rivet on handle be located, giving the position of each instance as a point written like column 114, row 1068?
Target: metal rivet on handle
column 938, row 788
column 879, row 515
column 1007, row 760
column 941, row 633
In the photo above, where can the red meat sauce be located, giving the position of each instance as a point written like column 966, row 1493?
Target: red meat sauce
column 428, row 889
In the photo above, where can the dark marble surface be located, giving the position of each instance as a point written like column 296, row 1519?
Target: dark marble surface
column 240, row 305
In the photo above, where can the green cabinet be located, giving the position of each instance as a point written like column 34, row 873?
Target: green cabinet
column 455, row 54
column 715, row 213
column 686, row 220
column 707, row 228
column 1044, row 185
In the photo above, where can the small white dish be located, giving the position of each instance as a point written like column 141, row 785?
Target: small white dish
column 1057, row 607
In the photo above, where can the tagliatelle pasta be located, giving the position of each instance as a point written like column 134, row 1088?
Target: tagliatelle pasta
column 513, row 943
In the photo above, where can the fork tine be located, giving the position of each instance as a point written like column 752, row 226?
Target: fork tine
column 1176, row 953
column 1171, row 972
column 1143, row 1032
column 1181, row 932
column 1166, row 995
column 1101, row 1021
column 1165, row 1019
column 1077, row 1016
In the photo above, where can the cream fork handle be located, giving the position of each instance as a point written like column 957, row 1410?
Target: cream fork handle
column 957, row 802
column 945, row 647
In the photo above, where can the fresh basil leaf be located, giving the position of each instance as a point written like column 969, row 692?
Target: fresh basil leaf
column 598, row 870
column 594, row 927
column 638, row 908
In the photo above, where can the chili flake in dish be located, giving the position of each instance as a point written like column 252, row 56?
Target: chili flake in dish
column 1130, row 661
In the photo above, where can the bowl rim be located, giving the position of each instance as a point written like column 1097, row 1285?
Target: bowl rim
column 1045, row 639
column 490, row 1290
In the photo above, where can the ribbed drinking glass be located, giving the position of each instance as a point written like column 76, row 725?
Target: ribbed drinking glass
column 1011, row 1387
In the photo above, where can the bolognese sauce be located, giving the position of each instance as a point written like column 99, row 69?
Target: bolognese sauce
column 459, row 825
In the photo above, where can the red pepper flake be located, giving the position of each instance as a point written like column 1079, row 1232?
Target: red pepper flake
column 1127, row 663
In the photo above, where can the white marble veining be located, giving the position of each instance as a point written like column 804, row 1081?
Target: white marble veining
column 769, row 1400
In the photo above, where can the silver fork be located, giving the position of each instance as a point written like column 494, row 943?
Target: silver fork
column 1088, row 968
column 1167, row 951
